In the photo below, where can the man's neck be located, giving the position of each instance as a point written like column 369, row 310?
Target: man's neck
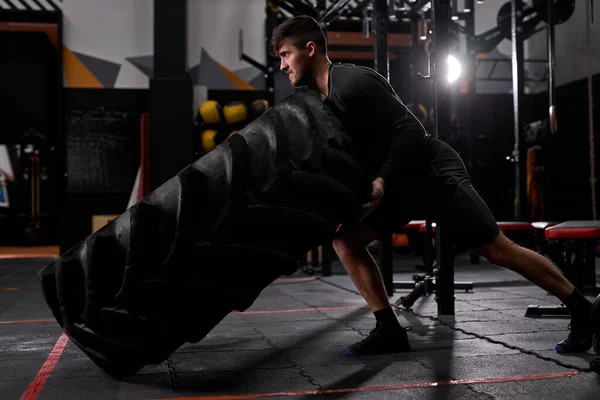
column 321, row 77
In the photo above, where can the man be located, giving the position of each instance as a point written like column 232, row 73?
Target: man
column 418, row 174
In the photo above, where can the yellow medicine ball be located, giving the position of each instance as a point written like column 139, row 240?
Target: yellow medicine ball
column 235, row 112
column 210, row 112
column 208, row 140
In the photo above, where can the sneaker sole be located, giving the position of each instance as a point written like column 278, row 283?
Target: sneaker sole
column 559, row 349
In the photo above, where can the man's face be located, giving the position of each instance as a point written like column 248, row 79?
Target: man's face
column 295, row 63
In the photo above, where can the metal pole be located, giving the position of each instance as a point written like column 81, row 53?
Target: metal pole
column 471, row 70
column 471, row 81
column 551, row 68
column 171, row 94
column 414, row 57
column 588, row 37
column 520, row 204
column 441, row 28
column 380, row 20
column 271, row 22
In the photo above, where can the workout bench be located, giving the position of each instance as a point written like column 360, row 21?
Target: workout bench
column 430, row 263
column 432, row 281
column 429, row 259
column 572, row 247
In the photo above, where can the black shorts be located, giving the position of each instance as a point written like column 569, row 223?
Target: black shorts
column 444, row 194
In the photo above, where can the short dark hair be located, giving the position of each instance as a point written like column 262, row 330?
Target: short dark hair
column 299, row 30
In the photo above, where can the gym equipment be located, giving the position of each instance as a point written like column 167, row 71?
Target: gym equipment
column 573, row 246
column 172, row 266
column 539, row 238
column 427, row 283
column 208, row 140
column 235, row 112
column 210, row 112
column 532, row 16
column 33, row 162
column 211, row 123
column 257, row 108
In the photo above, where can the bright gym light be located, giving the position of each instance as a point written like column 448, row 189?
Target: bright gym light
column 454, row 69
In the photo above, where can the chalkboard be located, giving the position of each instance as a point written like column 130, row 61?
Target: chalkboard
column 102, row 137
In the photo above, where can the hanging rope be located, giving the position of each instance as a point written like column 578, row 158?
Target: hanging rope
column 588, row 34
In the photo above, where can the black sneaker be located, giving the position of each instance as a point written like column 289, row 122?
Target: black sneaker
column 381, row 341
column 579, row 339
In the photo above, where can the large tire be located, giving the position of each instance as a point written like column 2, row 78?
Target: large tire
column 171, row 267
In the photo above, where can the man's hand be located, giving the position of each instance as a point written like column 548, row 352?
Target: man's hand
column 376, row 196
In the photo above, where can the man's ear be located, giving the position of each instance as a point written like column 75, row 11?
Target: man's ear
column 311, row 47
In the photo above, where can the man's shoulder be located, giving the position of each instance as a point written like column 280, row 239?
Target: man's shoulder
column 348, row 69
column 357, row 76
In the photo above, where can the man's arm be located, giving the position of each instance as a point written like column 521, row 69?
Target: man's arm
column 374, row 95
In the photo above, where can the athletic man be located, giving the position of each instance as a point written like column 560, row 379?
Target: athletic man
column 418, row 174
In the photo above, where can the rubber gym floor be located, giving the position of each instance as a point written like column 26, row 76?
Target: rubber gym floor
column 291, row 344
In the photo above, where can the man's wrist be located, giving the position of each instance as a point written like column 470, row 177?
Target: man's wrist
column 381, row 181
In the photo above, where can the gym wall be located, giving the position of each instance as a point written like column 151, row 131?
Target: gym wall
column 109, row 43
column 107, row 62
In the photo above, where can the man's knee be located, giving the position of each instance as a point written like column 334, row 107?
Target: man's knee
column 353, row 240
column 499, row 251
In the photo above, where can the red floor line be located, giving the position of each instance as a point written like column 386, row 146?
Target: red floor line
column 21, row 256
column 10, row 289
column 27, row 321
column 35, row 387
column 298, row 310
column 380, row 388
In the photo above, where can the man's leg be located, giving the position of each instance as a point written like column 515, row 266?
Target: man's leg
column 351, row 248
column 388, row 336
column 541, row 271
column 473, row 224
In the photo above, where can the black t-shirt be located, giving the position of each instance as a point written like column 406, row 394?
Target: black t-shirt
column 390, row 141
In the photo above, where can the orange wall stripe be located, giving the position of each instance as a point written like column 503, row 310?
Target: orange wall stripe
column 238, row 82
column 77, row 74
